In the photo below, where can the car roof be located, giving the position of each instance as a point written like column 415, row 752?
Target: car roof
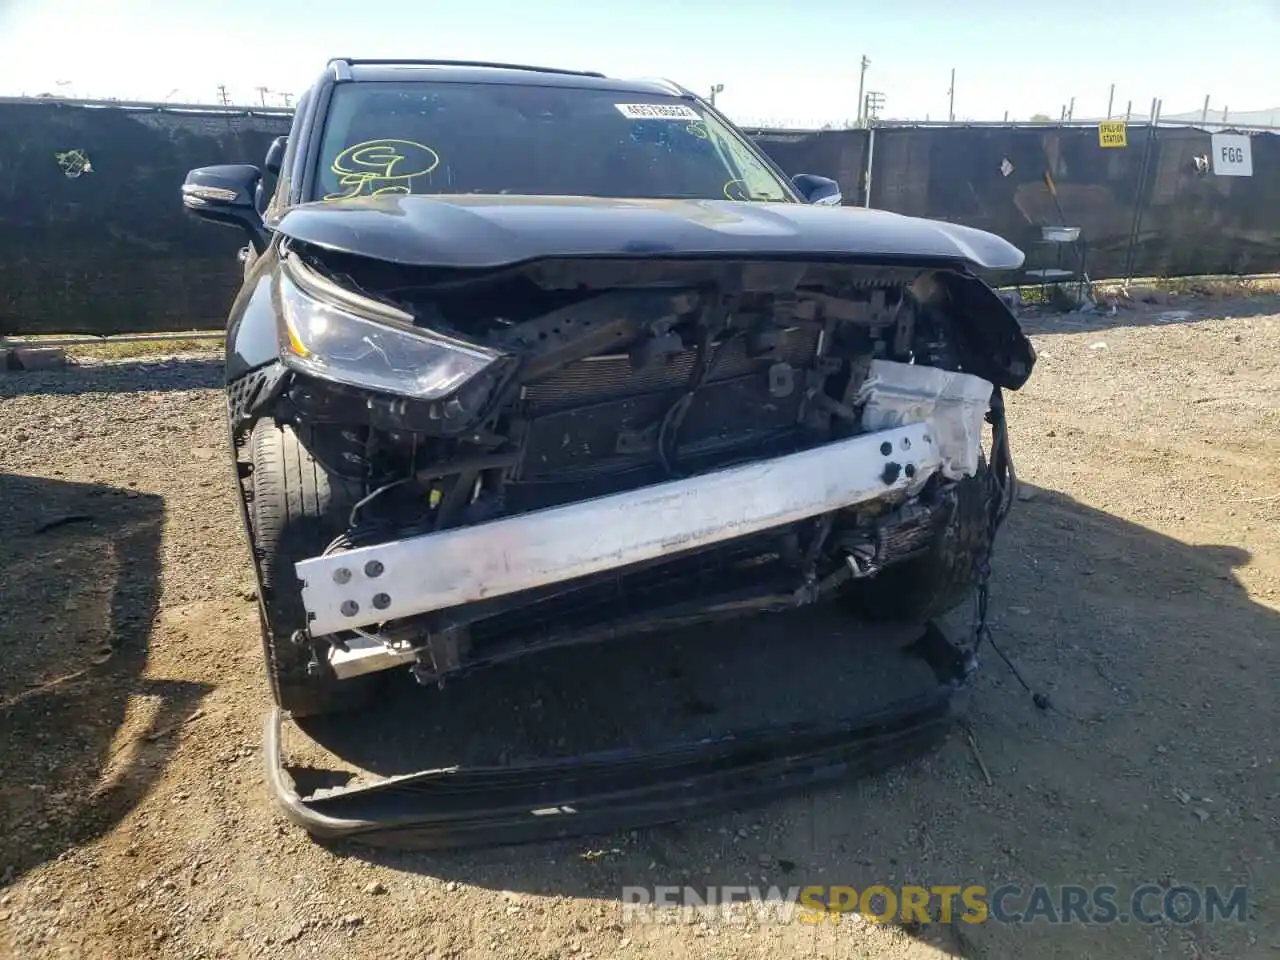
column 455, row 71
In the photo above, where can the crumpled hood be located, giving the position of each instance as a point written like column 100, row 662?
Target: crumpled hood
column 470, row 231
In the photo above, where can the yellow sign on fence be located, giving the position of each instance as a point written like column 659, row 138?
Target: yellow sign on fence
column 1111, row 133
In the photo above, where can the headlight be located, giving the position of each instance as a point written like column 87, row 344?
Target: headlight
column 386, row 354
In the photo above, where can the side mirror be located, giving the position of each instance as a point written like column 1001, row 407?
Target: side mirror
column 225, row 194
column 820, row 190
column 275, row 156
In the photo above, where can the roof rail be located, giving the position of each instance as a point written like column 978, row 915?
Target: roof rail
column 348, row 62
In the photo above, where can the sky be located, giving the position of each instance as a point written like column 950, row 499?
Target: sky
column 789, row 63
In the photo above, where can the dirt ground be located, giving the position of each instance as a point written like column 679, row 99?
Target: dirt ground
column 1137, row 583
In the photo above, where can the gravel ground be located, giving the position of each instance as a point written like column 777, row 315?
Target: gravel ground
column 1137, row 583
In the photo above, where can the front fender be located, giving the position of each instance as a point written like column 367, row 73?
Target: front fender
column 997, row 349
column 252, row 339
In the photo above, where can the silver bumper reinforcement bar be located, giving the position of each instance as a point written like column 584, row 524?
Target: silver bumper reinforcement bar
column 403, row 578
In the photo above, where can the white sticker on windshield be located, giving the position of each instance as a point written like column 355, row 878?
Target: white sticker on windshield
column 657, row 111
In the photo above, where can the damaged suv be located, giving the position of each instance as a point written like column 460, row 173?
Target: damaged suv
column 530, row 357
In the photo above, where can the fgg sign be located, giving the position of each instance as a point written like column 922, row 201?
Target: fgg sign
column 1232, row 156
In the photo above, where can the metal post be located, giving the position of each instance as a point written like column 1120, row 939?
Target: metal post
column 862, row 79
column 1224, row 114
column 1128, row 111
column 1151, row 148
column 871, row 154
column 1071, row 110
column 1204, row 114
column 1062, row 117
column 1111, row 99
column 951, row 106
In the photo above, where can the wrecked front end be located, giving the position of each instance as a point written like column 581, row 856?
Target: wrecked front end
column 577, row 449
column 574, row 450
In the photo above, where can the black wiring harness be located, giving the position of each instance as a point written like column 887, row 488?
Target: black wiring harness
column 1005, row 478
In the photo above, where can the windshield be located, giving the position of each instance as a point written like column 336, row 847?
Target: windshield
column 452, row 138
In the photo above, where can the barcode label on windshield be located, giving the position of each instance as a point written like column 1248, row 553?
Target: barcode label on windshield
column 657, row 111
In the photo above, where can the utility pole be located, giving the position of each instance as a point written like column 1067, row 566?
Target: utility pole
column 717, row 88
column 862, row 79
column 1204, row 114
column 262, row 94
column 1071, row 110
column 951, row 94
column 223, row 97
column 1111, row 99
column 288, row 99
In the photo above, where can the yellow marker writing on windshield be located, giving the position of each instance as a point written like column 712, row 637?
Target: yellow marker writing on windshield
column 378, row 167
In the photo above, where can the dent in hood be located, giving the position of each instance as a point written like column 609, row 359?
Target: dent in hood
column 477, row 232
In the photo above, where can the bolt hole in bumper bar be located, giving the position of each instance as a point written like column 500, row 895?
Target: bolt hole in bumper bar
column 626, row 788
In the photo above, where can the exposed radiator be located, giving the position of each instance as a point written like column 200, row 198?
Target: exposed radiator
column 610, row 377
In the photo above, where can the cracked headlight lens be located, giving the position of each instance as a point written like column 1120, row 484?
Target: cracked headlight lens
column 332, row 341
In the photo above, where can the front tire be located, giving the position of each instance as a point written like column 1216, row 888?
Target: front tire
column 934, row 583
column 296, row 509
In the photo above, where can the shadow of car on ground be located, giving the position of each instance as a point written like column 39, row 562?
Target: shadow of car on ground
column 85, row 731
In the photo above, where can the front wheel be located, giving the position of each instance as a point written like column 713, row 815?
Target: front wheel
column 296, row 510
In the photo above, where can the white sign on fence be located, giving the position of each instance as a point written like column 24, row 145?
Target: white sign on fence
column 1231, row 155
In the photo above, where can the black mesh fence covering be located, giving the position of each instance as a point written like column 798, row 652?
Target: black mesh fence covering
column 109, row 249
column 93, row 238
column 1152, row 208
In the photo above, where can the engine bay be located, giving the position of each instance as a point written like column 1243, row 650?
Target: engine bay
column 619, row 374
